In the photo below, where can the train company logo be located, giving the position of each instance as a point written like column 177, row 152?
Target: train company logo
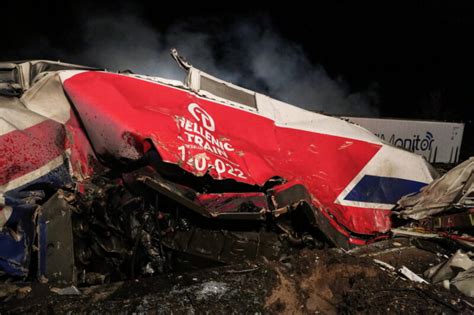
column 202, row 116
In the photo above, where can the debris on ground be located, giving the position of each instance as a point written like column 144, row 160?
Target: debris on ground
column 411, row 275
column 328, row 281
column 72, row 290
column 457, row 271
column 442, row 212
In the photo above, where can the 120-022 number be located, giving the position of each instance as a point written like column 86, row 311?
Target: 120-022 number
column 201, row 163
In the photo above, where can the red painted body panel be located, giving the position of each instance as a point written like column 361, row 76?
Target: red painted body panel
column 120, row 113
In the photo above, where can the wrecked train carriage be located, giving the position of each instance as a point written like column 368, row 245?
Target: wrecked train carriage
column 222, row 151
column 445, row 207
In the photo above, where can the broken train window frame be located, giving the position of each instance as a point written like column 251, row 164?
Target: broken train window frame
column 221, row 91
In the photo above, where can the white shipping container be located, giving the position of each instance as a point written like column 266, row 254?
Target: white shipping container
column 438, row 142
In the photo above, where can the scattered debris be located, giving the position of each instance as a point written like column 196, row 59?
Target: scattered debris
column 384, row 265
column 464, row 282
column 448, row 269
column 72, row 290
column 411, row 275
column 22, row 292
column 407, row 273
column 212, row 289
column 457, row 271
column 413, row 233
column 101, row 198
column 442, row 211
column 10, row 290
column 324, row 281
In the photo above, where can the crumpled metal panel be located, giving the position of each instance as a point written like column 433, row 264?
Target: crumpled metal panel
column 343, row 171
column 42, row 149
column 352, row 176
column 453, row 189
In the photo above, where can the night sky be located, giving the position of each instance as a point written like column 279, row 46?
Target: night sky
column 418, row 55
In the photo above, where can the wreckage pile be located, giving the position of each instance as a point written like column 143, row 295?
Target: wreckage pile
column 443, row 211
column 127, row 231
column 309, row 281
column 114, row 178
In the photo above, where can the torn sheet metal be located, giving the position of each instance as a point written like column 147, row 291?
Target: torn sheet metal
column 352, row 177
column 464, row 282
column 39, row 139
column 55, row 240
column 244, row 153
column 457, row 271
column 449, row 269
column 455, row 189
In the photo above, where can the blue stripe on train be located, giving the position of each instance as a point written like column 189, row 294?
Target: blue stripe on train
column 379, row 189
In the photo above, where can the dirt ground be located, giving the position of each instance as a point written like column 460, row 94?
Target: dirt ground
column 327, row 281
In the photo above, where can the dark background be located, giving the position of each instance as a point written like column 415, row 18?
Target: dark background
column 419, row 53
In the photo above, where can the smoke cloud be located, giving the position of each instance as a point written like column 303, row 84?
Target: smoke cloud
column 249, row 53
